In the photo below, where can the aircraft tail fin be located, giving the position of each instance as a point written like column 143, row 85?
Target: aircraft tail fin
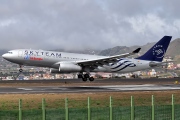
column 157, row 52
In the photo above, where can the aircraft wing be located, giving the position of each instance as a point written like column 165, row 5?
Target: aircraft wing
column 105, row 60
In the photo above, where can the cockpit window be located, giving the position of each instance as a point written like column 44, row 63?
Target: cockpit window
column 10, row 52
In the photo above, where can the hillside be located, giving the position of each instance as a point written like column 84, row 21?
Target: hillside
column 2, row 52
column 123, row 49
column 172, row 51
column 114, row 51
column 174, row 48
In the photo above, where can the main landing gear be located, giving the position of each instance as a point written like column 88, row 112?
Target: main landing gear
column 85, row 77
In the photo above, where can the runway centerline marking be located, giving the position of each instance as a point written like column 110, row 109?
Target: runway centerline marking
column 24, row 89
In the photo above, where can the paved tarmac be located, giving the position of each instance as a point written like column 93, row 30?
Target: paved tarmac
column 146, row 85
column 91, row 89
column 111, row 80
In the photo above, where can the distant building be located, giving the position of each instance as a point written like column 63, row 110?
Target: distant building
column 103, row 75
column 178, row 65
column 152, row 72
column 20, row 77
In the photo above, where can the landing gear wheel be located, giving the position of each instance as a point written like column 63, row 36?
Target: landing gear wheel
column 84, row 79
column 86, row 76
column 91, row 79
column 20, row 70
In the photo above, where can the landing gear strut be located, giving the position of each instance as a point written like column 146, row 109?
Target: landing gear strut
column 85, row 77
column 20, row 70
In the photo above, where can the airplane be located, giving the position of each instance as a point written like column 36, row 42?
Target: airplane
column 83, row 64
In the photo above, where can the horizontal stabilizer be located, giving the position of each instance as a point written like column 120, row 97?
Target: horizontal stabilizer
column 137, row 50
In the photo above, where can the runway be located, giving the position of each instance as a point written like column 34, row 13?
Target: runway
column 90, row 89
column 111, row 80
column 78, row 86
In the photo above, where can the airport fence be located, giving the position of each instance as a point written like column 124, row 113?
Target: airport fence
column 110, row 112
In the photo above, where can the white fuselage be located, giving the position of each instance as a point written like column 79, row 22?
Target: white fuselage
column 41, row 58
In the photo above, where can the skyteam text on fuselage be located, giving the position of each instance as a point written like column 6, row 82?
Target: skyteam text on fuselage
column 62, row 62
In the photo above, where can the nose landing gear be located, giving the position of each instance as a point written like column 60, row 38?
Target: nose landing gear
column 20, row 70
column 20, row 73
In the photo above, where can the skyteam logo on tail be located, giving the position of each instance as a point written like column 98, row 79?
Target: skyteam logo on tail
column 158, row 51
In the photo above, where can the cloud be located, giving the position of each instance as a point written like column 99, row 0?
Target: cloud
column 86, row 24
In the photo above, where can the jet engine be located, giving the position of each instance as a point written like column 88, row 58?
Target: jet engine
column 153, row 64
column 66, row 68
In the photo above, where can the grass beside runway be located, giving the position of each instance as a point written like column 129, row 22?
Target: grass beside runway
column 100, row 110
column 79, row 100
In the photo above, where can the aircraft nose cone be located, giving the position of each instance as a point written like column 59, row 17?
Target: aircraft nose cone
column 4, row 56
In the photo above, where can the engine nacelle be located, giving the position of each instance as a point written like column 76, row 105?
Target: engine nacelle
column 67, row 68
column 152, row 64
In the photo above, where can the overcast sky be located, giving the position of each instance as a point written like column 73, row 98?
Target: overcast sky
column 86, row 24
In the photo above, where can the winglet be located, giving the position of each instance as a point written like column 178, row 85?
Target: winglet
column 137, row 50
